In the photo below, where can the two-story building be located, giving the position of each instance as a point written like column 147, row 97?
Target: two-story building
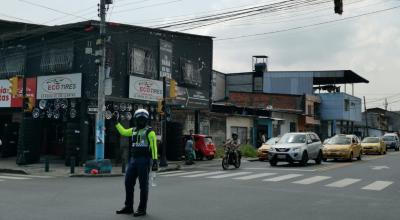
column 60, row 65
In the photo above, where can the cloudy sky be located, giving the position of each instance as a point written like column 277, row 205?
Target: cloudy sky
column 365, row 39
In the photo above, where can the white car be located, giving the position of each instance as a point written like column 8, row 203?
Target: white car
column 297, row 147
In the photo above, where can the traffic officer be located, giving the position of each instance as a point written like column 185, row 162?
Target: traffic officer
column 142, row 153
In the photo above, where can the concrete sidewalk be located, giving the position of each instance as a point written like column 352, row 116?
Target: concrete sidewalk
column 57, row 167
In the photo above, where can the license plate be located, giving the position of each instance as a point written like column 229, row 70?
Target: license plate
column 211, row 153
column 281, row 156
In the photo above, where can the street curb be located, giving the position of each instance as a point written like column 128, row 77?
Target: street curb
column 97, row 175
column 13, row 171
column 177, row 167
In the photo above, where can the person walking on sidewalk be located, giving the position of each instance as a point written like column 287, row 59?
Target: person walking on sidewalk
column 141, row 154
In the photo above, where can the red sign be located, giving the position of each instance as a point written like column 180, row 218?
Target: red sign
column 16, row 101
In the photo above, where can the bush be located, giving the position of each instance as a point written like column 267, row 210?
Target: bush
column 248, row 150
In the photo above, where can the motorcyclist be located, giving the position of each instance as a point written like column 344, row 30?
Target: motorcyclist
column 232, row 144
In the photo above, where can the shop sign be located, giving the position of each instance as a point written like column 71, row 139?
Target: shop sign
column 165, row 59
column 7, row 100
column 145, row 89
column 190, row 98
column 59, row 86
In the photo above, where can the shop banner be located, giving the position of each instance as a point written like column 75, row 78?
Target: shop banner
column 165, row 59
column 190, row 98
column 7, row 101
column 5, row 97
column 145, row 89
column 59, row 86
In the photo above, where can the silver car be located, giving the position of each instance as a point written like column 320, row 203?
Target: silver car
column 297, row 147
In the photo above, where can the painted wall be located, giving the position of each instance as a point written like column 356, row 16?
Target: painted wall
column 239, row 83
column 284, row 126
column 218, row 86
column 295, row 83
column 237, row 121
column 333, row 107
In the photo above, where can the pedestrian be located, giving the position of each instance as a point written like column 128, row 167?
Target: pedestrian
column 190, row 151
column 142, row 153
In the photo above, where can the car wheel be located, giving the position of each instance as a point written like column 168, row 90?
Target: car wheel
column 350, row 159
column 210, row 157
column 304, row 159
column 319, row 158
column 385, row 150
column 359, row 156
column 397, row 149
column 324, row 159
column 273, row 162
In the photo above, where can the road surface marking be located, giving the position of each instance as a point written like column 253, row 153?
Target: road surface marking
column 282, row 168
column 170, row 172
column 254, row 176
column 335, row 166
column 229, row 175
column 378, row 185
column 184, row 173
column 284, row 177
column 312, row 180
column 206, row 174
column 343, row 183
column 1, row 180
column 379, row 167
column 14, row 178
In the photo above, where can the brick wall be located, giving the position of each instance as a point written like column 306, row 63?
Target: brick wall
column 262, row 100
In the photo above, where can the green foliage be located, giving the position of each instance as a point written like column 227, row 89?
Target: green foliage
column 248, row 150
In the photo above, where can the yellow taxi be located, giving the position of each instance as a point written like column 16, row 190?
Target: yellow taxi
column 262, row 151
column 342, row 147
column 373, row 145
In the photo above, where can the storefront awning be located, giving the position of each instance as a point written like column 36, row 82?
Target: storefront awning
column 275, row 119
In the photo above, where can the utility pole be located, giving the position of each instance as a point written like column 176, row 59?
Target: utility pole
column 100, row 128
column 366, row 117
column 386, row 104
column 163, row 161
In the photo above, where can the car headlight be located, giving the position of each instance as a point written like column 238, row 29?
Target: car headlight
column 272, row 149
column 296, row 150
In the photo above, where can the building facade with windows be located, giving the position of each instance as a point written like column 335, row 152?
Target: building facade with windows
column 60, row 65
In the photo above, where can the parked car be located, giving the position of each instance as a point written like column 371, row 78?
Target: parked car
column 204, row 146
column 296, row 147
column 373, row 145
column 391, row 140
column 262, row 152
column 342, row 146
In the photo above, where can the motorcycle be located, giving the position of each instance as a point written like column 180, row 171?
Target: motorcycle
column 189, row 157
column 231, row 157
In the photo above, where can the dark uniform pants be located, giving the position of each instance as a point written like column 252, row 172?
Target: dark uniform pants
column 138, row 168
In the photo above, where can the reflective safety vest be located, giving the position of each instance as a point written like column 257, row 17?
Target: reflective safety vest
column 140, row 143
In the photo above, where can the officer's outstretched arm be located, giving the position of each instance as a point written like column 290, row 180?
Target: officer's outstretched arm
column 124, row 132
column 153, row 145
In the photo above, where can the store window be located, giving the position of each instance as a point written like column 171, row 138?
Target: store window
column 142, row 62
column 242, row 133
column 12, row 60
column 57, row 57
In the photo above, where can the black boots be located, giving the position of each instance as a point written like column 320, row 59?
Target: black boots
column 139, row 213
column 125, row 210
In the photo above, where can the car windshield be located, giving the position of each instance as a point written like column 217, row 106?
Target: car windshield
column 292, row 139
column 389, row 138
column 271, row 141
column 339, row 140
column 370, row 140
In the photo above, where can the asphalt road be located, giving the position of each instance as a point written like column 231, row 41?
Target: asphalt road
column 367, row 189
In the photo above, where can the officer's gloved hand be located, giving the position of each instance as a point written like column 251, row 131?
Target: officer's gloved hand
column 155, row 166
column 115, row 119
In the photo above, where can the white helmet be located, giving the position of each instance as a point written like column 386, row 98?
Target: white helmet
column 141, row 113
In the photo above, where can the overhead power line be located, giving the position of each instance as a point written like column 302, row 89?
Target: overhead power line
column 310, row 25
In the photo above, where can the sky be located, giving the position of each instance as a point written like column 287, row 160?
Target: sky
column 365, row 38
